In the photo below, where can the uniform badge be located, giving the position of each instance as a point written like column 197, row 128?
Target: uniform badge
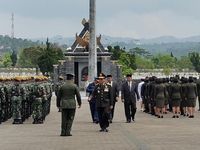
column 106, row 89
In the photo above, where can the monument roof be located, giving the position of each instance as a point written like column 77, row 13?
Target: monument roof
column 81, row 44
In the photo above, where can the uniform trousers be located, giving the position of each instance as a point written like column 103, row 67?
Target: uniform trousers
column 67, row 120
column 103, row 114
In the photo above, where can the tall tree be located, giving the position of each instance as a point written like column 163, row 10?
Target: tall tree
column 6, row 60
column 14, row 58
column 195, row 59
column 116, row 52
column 49, row 56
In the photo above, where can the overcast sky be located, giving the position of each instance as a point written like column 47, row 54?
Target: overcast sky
column 121, row 18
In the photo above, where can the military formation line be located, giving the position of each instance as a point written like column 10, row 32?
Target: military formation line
column 24, row 96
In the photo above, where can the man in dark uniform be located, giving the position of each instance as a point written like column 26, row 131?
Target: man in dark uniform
column 92, row 102
column 104, row 102
column 57, row 87
column 115, row 91
column 66, row 101
column 128, row 96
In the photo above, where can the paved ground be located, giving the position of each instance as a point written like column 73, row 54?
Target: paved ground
column 148, row 133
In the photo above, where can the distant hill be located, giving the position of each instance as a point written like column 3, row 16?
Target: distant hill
column 7, row 44
column 164, row 44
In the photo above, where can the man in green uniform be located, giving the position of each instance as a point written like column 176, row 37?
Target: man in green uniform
column 66, row 101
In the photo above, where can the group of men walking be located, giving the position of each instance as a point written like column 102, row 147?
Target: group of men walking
column 104, row 93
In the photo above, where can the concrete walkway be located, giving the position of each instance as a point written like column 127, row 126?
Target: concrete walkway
column 148, row 133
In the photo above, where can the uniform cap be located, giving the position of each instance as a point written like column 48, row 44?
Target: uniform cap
column 101, row 76
column 129, row 75
column 109, row 75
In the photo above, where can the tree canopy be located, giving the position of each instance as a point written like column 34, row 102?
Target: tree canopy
column 43, row 57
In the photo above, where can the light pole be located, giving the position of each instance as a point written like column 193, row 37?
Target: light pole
column 92, row 69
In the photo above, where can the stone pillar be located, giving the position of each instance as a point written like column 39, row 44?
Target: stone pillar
column 61, row 68
column 92, row 69
column 106, row 65
column 55, row 71
column 69, row 65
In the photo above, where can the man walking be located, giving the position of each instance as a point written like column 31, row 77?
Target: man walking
column 128, row 96
column 115, row 92
column 66, row 101
column 92, row 101
column 104, row 102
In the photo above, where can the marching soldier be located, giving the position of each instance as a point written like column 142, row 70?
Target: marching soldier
column 66, row 101
column 104, row 102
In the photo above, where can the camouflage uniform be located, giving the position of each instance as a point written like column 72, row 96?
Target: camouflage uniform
column 37, row 104
column 16, row 104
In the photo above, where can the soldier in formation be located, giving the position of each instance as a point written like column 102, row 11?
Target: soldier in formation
column 18, row 97
column 180, row 94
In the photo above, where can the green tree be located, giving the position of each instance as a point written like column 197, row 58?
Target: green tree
column 116, row 52
column 14, row 58
column 195, row 59
column 144, row 63
column 28, row 57
column 42, row 57
column 184, row 63
column 6, row 60
column 164, row 61
column 140, row 52
column 127, row 61
column 49, row 56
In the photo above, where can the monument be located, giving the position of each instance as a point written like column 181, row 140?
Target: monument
column 76, row 59
column 87, row 57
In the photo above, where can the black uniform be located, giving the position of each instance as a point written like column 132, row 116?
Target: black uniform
column 104, row 99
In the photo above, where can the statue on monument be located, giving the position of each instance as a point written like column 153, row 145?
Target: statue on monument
column 84, row 40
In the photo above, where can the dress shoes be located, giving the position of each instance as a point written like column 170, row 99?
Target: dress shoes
column 102, row 130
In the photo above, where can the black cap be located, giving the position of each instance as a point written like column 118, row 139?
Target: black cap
column 129, row 75
column 102, row 76
column 109, row 75
column 69, row 76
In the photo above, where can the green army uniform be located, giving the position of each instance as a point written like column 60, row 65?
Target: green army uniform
column 57, row 87
column 37, row 105
column 66, row 101
column 8, row 90
column 16, row 104
column 2, row 100
column 1, row 97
